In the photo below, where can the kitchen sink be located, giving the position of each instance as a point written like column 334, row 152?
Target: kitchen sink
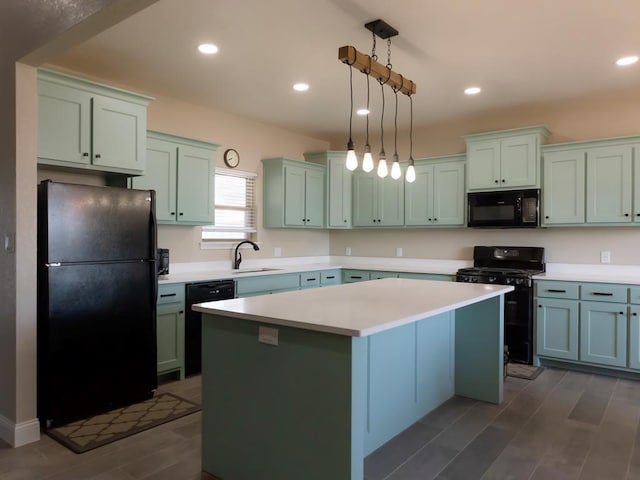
column 250, row 270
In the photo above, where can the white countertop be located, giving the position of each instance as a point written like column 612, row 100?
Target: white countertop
column 628, row 274
column 356, row 309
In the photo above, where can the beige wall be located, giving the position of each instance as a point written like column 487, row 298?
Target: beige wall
column 596, row 116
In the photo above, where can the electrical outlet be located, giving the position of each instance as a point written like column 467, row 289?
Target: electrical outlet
column 347, row 251
column 605, row 256
column 398, row 251
column 277, row 252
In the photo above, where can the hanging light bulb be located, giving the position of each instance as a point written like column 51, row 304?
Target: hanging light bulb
column 396, row 173
column 383, row 171
column 367, row 159
column 352, row 160
column 410, row 176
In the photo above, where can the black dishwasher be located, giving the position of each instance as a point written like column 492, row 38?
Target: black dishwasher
column 199, row 293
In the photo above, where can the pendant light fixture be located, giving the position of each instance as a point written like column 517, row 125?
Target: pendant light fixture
column 352, row 160
column 369, row 65
column 367, row 159
column 410, row 176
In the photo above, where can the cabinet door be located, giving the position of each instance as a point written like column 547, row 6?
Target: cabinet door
column 119, row 132
column 483, row 165
column 418, row 197
column 364, row 194
column 339, row 201
column 64, row 124
column 160, row 175
column 314, row 198
column 609, row 184
column 603, row 333
column 294, row 196
column 390, row 202
column 170, row 337
column 195, row 186
column 557, row 328
column 519, row 162
column 636, row 184
column 448, row 194
column 564, row 186
column 634, row 338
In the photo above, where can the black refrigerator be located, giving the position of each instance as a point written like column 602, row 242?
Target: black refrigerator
column 97, row 288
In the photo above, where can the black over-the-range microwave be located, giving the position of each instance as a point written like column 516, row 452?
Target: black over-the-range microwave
column 504, row 209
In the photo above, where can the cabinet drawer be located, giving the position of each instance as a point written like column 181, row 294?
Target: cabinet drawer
column 549, row 289
column 309, row 279
column 330, row 277
column 427, row 276
column 170, row 293
column 350, row 276
column 267, row 283
column 634, row 295
column 382, row 274
column 603, row 292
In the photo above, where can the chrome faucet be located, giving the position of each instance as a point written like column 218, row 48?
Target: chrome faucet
column 237, row 257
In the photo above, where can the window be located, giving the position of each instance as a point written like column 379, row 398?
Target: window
column 235, row 216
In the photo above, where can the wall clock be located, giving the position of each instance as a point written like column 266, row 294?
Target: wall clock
column 231, row 158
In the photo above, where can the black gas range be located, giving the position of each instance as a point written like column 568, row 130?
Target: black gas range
column 510, row 266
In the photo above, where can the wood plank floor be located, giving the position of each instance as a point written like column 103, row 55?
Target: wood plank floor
column 562, row 425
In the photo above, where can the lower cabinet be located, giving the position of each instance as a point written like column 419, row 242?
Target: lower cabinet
column 557, row 328
column 591, row 323
column 170, row 329
column 603, row 333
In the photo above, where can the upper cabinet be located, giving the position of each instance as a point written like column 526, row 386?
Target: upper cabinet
column 338, row 187
column 181, row 171
column 88, row 126
column 595, row 182
column 437, row 197
column 293, row 193
column 377, row 202
column 505, row 159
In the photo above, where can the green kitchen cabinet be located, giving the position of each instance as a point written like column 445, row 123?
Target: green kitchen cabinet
column 603, row 333
column 441, row 277
column 634, row 337
column 557, row 328
column 563, row 195
column 610, row 184
column 380, row 274
column 170, row 329
column 267, row 284
column 293, row 193
column 330, row 277
column 437, row 197
column 180, row 170
column 88, row 126
column 505, row 159
column 377, row 202
column 338, row 187
column 352, row 276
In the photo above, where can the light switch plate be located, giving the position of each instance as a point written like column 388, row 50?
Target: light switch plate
column 605, row 256
column 268, row 335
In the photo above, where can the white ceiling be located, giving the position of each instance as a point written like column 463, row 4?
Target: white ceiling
column 519, row 51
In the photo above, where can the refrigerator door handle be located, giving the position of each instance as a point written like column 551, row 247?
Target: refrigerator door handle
column 55, row 264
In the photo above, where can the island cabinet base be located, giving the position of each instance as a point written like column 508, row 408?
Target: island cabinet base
column 316, row 404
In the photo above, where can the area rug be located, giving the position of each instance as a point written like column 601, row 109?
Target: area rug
column 518, row 370
column 84, row 435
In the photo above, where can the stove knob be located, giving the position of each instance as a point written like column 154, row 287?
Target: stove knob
column 508, row 280
column 473, row 279
column 492, row 279
column 519, row 281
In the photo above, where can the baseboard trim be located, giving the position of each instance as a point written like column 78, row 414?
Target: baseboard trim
column 18, row 434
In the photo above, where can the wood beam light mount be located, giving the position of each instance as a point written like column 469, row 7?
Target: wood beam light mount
column 380, row 72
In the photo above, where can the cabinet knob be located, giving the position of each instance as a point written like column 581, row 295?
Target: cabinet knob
column 181, row 312
column 85, row 154
column 496, row 181
column 626, row 214
column 435, row 219
column 634, row 314
column 97, row 155
column 181, row 214
column 539, row 306
column 503, row 180
column 429, row 219
column 637, row 214
column 173, row 213
column 345, row 221
column 621, row 313
column 308, row 219
column 546, row 216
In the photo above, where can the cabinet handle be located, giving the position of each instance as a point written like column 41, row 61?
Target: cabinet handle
column 308, row 219
column 356, row 278
column 429, row 219
column 331, row 277
column 637, row 214
column 626, row 214
column 344, row 221
column 173, row 213
column 496, row 181
column 164, row 295
column 634, row 314
column 546, row 216
column 539, row 306
column 621, row 313
column 311, row 279
column 181, row 312
column 97, row 155
column 85, row 154
column 602, row 294
column 180, row 214
column 435, row 219
column 553, row 290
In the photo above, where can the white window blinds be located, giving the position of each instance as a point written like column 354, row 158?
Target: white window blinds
column 235, row 214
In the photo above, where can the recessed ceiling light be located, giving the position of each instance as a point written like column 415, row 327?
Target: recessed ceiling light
column 301, row 87
column 627, row 61
column 207, row 48
column 362, row 111
column 472, row 90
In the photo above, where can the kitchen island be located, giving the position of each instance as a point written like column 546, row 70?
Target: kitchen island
column 305, row 384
